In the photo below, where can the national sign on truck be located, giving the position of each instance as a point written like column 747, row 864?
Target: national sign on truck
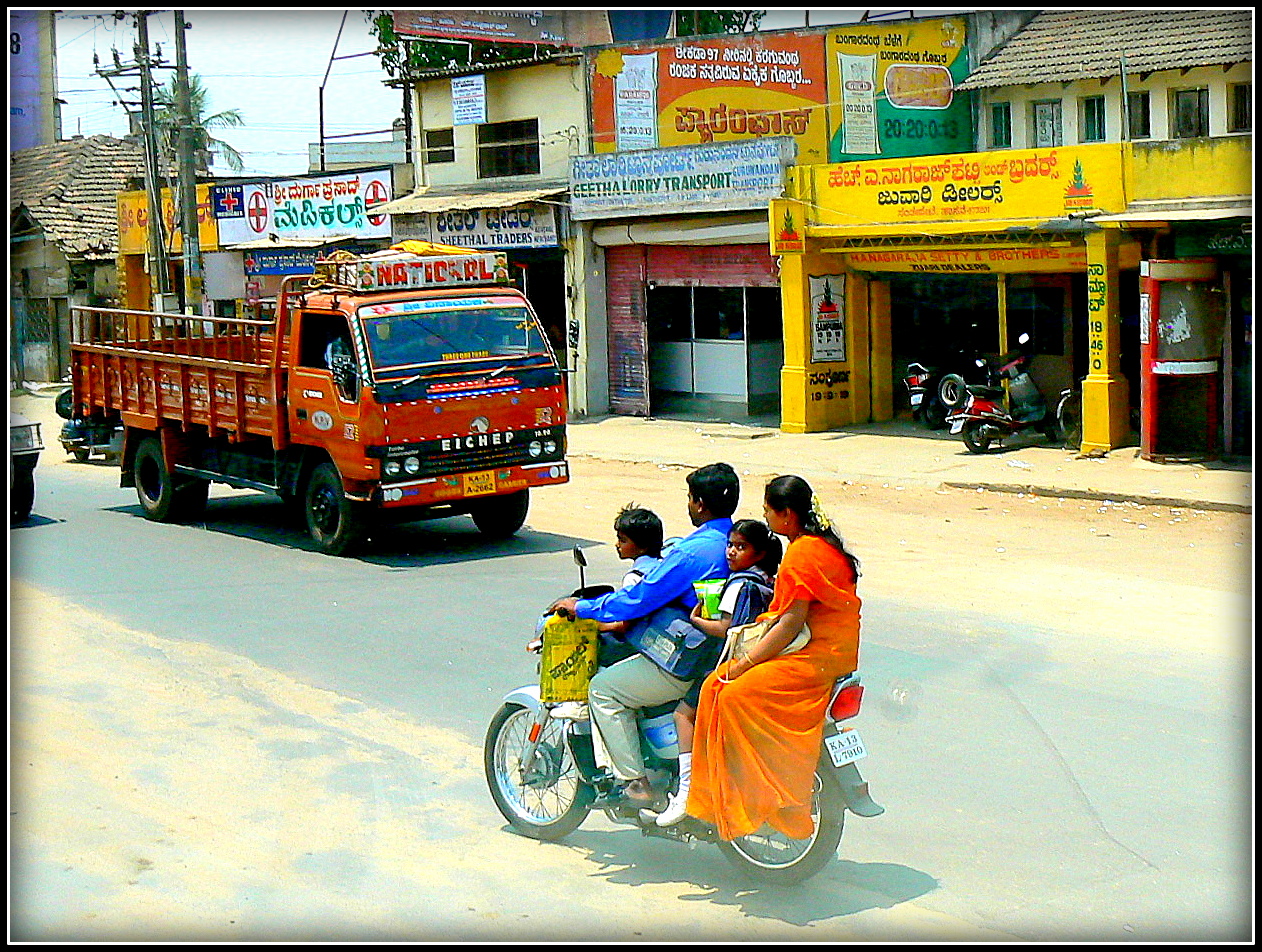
column 390, row 387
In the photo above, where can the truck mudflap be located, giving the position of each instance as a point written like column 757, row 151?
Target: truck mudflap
column 462, row 487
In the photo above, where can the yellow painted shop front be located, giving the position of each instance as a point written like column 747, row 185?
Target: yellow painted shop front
column 880, row 260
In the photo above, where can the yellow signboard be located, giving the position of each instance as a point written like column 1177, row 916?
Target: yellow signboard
column 975, row 186
column 133, row 222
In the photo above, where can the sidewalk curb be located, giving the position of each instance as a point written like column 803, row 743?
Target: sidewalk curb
column 1102, row 496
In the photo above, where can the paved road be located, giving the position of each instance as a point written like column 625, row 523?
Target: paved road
column 221, row 734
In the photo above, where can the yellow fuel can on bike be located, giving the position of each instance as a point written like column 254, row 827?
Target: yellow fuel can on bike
column 568, row 660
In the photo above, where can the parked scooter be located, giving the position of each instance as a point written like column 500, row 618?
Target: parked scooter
column 543, row 777
column 83, row 437
column 989, row 415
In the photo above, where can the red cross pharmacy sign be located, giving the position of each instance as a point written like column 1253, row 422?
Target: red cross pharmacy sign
column 256, row 212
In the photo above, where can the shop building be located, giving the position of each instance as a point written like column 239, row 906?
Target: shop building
column 492, row 145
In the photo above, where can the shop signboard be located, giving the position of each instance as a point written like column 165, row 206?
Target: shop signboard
column 530, row 225
column 468, row 100
column 280, row 261
column 722, row 176
column 324, row 206
column 892, row 89
column 133, row 222
column 978, row 186
column 695, row 92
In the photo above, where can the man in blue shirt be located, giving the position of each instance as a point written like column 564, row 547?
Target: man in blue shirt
column 617, row 691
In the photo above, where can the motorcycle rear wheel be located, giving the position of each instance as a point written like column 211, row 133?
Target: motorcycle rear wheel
column 770, row 857
column 975, row 437
column 552, row 800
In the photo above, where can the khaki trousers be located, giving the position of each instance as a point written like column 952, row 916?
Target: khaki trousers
column 613, row 696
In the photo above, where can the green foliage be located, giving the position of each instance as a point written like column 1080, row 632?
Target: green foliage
column 707, row 22
column 167, row 122
column 403, row 59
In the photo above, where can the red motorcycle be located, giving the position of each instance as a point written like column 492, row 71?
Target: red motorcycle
column 989, row 415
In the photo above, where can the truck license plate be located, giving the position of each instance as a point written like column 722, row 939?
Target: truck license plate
column 479, row 484
column 845, row 748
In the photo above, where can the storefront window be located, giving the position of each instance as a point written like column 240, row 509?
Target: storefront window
column 669, row 313
column 719, row 313
column 763, row 320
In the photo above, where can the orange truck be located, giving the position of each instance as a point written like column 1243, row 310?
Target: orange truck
column 389, row 387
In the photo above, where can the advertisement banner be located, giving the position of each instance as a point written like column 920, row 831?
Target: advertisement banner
column 133, row 222
column 828, row 318
column 532, row 225
column 694, row 92
column 892, row 89
column 325, row 206
column 723, row 176
column 1018, row 184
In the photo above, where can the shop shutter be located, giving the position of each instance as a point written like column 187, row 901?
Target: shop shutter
column 628, row 330
column 715, row 266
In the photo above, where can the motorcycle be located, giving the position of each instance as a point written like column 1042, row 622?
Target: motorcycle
column 936, row 389
column 991, row 415
column 541, row 770
column 83, row 437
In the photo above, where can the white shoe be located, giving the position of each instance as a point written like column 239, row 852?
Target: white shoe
column 572, row 710
column 675, row 811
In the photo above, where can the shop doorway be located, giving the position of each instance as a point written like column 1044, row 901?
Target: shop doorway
column 714, row 351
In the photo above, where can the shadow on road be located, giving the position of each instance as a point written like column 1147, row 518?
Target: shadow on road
column 451, row 540
column 843, row 888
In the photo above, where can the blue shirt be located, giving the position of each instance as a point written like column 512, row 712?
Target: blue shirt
column 699, row 556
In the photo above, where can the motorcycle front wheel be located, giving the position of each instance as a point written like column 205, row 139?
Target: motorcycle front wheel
column 769, row 856
column 550, row 799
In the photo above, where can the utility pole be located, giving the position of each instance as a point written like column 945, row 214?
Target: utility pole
column 160, row 279
column 186, row 146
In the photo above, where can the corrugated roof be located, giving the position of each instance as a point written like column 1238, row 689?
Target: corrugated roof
column 71, row 189
column 426, row 200
column 1069, row 45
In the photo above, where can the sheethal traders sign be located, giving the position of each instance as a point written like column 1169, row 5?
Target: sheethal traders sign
column 724, row 176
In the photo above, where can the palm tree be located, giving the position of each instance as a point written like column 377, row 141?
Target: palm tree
column 166, row 120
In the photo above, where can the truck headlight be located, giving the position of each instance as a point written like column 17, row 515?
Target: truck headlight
column 535, row 448
column 412, row 465
column 393, row 468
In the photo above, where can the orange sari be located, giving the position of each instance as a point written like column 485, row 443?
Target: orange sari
column 758, row 737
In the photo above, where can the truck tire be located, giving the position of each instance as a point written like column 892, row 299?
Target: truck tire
column 163, row 496
column 499, row 517
column 335, row 523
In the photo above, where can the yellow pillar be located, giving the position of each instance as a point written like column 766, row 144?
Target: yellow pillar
column 881, row 359
column 822, row 392
column 1105, row 391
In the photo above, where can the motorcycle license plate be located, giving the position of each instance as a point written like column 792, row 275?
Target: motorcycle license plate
column 916, row 399
column 479, row 484
column 957, row 426
column 845, row 747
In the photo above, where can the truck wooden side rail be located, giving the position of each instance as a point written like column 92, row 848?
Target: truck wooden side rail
column 158, row 369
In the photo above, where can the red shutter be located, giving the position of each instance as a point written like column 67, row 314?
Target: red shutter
column 628, row 330
column 716, row 266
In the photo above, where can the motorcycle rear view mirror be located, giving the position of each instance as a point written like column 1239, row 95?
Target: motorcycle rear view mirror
column 581, row 561
column 980, row 362
column 1023, row 339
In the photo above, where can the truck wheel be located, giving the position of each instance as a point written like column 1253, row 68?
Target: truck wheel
column 163, row 498
column 335, row 523
column 501, row 516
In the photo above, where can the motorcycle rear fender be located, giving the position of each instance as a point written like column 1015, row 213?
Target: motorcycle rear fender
column 854, row 789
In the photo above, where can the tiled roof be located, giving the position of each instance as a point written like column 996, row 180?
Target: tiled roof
column 71, row 188
column 1067, row 45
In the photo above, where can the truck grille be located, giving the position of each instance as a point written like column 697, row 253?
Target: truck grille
column 475, row 452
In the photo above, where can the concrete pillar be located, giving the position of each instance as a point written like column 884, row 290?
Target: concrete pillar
column 1105, row 391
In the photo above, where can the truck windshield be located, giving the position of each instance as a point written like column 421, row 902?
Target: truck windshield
column 412, row 334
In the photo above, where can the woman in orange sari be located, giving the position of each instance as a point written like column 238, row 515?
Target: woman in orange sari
column 761, row 715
